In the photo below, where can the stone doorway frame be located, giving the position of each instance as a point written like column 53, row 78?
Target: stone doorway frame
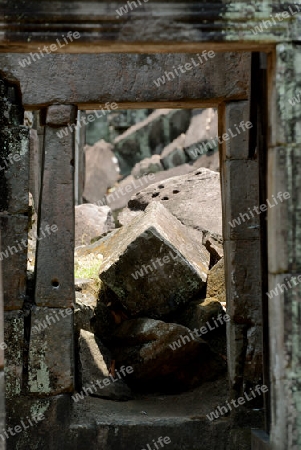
column 283, row 148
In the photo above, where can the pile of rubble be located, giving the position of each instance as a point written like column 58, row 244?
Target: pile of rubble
column 159, row 316
column 134, row 144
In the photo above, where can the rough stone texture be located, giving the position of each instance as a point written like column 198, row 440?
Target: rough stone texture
column 240, row 439
column 11, row 110
column 285, row 369
column 107, row 82
column 85, row 305
column 244, row 285
column 102, row 172
column 198, row 313
column 283, row 240
column 14, row 337
column 103, row 323
column 234, row 176
column 149, row 137
column 253, row 358
column 203, row 128
column 91, row 221
column 242, row 252
column 51, row 360
column 136, row 246
column 173, row 155
column 236, row 147
column 51, row 432
column 13, row 233
column 195, row 199
column 216, row 282
column 207, row 313
column 59, row 115
column 129, row 185
column 87, row 285
column 285, row 113
column 2, row 384
column 94, row 365
column 133, row 425
column 209, row 161
column 145, row 345
column 214, row 245
column 55, row 253
column 147, row 165
column 2, row 407
column 14, row 170
column 284, row 256
column 236, row 354
column 244, row 357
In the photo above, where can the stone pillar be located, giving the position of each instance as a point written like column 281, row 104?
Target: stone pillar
column 51, row 360
column 284, row 249
column 240, row 194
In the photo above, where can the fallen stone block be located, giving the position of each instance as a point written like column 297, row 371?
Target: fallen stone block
column 210, row 319
column 216, row 287
column 214, row 245
column 147, row 166
column 95, row 362
column 91, row 221
column 165, row 357
column 85, row 304
column 201, row 134
column 153, row 265
column 195, row 199
column 101, row 171
column 173, row 155
column 149, row 137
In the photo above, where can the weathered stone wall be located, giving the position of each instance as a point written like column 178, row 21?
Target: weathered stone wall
column 284, row 251
column 14, row 219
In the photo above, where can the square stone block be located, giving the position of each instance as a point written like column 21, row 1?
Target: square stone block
column 14, row 259
column 243, row 281
column 14, row 170
column 236, row 144
column 51, row 358
column 58, row 115
column 153, row 265
column 240, row 194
